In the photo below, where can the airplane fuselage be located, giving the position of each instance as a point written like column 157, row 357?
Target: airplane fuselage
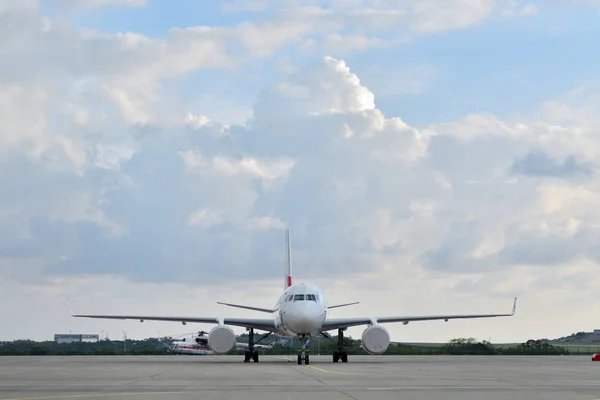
column 300, row 310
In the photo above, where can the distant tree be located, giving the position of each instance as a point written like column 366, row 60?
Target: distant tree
column 470, row 346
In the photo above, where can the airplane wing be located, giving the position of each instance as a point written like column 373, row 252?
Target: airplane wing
column 265, row 310
column 240, row 345
column 338, row 323
column 255, row 323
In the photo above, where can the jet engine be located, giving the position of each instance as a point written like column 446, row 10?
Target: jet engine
column 221, row 339
column 375, row 339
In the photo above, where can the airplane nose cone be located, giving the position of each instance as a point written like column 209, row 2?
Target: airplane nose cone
column 305, row 325
column 305, row 321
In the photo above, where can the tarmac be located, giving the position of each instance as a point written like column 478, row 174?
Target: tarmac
column 279, row 377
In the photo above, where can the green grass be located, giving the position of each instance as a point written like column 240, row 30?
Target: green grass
column 430, row 344
column 569, row 346
column 575, row 345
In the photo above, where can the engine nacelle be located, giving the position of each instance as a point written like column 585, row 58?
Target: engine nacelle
column 221, row 339
column 375, row 339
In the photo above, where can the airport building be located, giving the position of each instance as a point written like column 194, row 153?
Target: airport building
column 70, row 338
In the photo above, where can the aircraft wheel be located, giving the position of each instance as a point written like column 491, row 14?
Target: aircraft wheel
column 344, row 357
column 336, row 356
column 299, row 359
column 255, row 356
column 306, row 360
column 247, row 357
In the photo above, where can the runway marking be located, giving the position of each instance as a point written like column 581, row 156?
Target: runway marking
column 334, row 372
column 79, row 396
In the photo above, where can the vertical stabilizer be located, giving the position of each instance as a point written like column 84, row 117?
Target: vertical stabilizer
column 288, row 260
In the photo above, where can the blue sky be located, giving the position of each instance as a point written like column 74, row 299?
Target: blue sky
column 129, row 208
column 504, row 67
column 159, row 16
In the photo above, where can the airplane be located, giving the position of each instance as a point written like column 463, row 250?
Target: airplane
column 300, row 312
column 198, row 345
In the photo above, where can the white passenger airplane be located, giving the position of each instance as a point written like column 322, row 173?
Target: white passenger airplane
column 301, row 311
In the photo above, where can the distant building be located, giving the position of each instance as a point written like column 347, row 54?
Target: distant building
column 596, row 331
column 70, row 338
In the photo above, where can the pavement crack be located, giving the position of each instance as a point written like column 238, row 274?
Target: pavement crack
column 159, row 374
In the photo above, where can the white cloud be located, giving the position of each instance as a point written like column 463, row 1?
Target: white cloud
column 265, row 222
column 116, row 190
column 433, row 16
column 422, row 16
column 474, row 8
column 205, row 218
column 252, row 167
column 341, row 44
column 515, row 10
column 379, row 189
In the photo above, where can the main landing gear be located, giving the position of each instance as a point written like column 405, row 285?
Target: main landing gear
column 340, row 353
column 251, row 353
column 303, row 357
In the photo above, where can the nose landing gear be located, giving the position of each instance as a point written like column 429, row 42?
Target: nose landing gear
column 303, row 357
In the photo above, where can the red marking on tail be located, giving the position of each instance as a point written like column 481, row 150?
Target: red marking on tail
column 289, row 280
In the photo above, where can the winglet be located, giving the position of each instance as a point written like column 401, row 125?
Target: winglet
column 70, row 309
column 514, row 309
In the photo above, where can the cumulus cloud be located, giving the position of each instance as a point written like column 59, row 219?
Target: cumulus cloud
column 106, row 177
column 421, row 16
column 360, row 190
column 181, row 197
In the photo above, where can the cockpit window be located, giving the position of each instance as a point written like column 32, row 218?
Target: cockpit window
column 298, row 297
column 289, row 298
column 311, row 297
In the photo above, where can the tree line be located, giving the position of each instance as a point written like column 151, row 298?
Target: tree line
column 474, row 347
column 100, row 348
column 155, row 346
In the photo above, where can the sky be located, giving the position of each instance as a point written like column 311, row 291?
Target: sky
column 427, row 159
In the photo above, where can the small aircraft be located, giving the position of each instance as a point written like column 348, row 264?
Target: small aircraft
column 198, row 345
column 300, row 312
